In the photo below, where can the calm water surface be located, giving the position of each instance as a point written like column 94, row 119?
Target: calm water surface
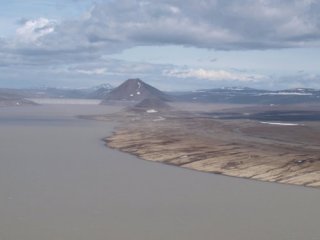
column 59, row 182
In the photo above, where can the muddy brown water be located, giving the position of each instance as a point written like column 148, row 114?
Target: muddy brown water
column 59, row 182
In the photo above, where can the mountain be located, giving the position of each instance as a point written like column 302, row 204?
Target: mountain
column 103, row 86
column 101, row 91
column 135, row 90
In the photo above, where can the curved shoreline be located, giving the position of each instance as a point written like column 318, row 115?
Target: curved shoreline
column 213, row 146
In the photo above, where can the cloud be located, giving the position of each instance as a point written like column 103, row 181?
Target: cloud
column 214, row 75
column 113, row 67
column 298, row 80
column 79, row 47
column 32, row 30
column 214, row 24
column 96, row 71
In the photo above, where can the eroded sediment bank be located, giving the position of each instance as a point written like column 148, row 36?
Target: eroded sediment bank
column 239, row 148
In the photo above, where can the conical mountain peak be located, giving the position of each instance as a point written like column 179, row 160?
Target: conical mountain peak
column 135, row 90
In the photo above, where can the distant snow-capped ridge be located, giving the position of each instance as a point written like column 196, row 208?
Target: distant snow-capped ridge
column 287, row 93
column 294, row 91
column 103, row 86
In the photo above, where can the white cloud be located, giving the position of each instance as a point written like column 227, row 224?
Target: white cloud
column 96, row 71
column 213, row 75
column 32, row 30
column 116, row 25
column 174, row 9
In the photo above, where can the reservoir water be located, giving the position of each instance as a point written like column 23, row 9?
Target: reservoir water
column 59, row 182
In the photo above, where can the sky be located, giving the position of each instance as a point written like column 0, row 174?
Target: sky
column 171, row 44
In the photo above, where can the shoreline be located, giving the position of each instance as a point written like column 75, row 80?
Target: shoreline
column 104, row 140
column 228, row 153
column 106, row 144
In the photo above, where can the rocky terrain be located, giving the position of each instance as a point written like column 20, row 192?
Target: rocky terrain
column 238, row 148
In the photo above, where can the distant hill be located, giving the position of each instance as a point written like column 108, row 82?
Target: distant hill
column 10, row 99
column 97, row 92
column 135, row 90
column 250, row 96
